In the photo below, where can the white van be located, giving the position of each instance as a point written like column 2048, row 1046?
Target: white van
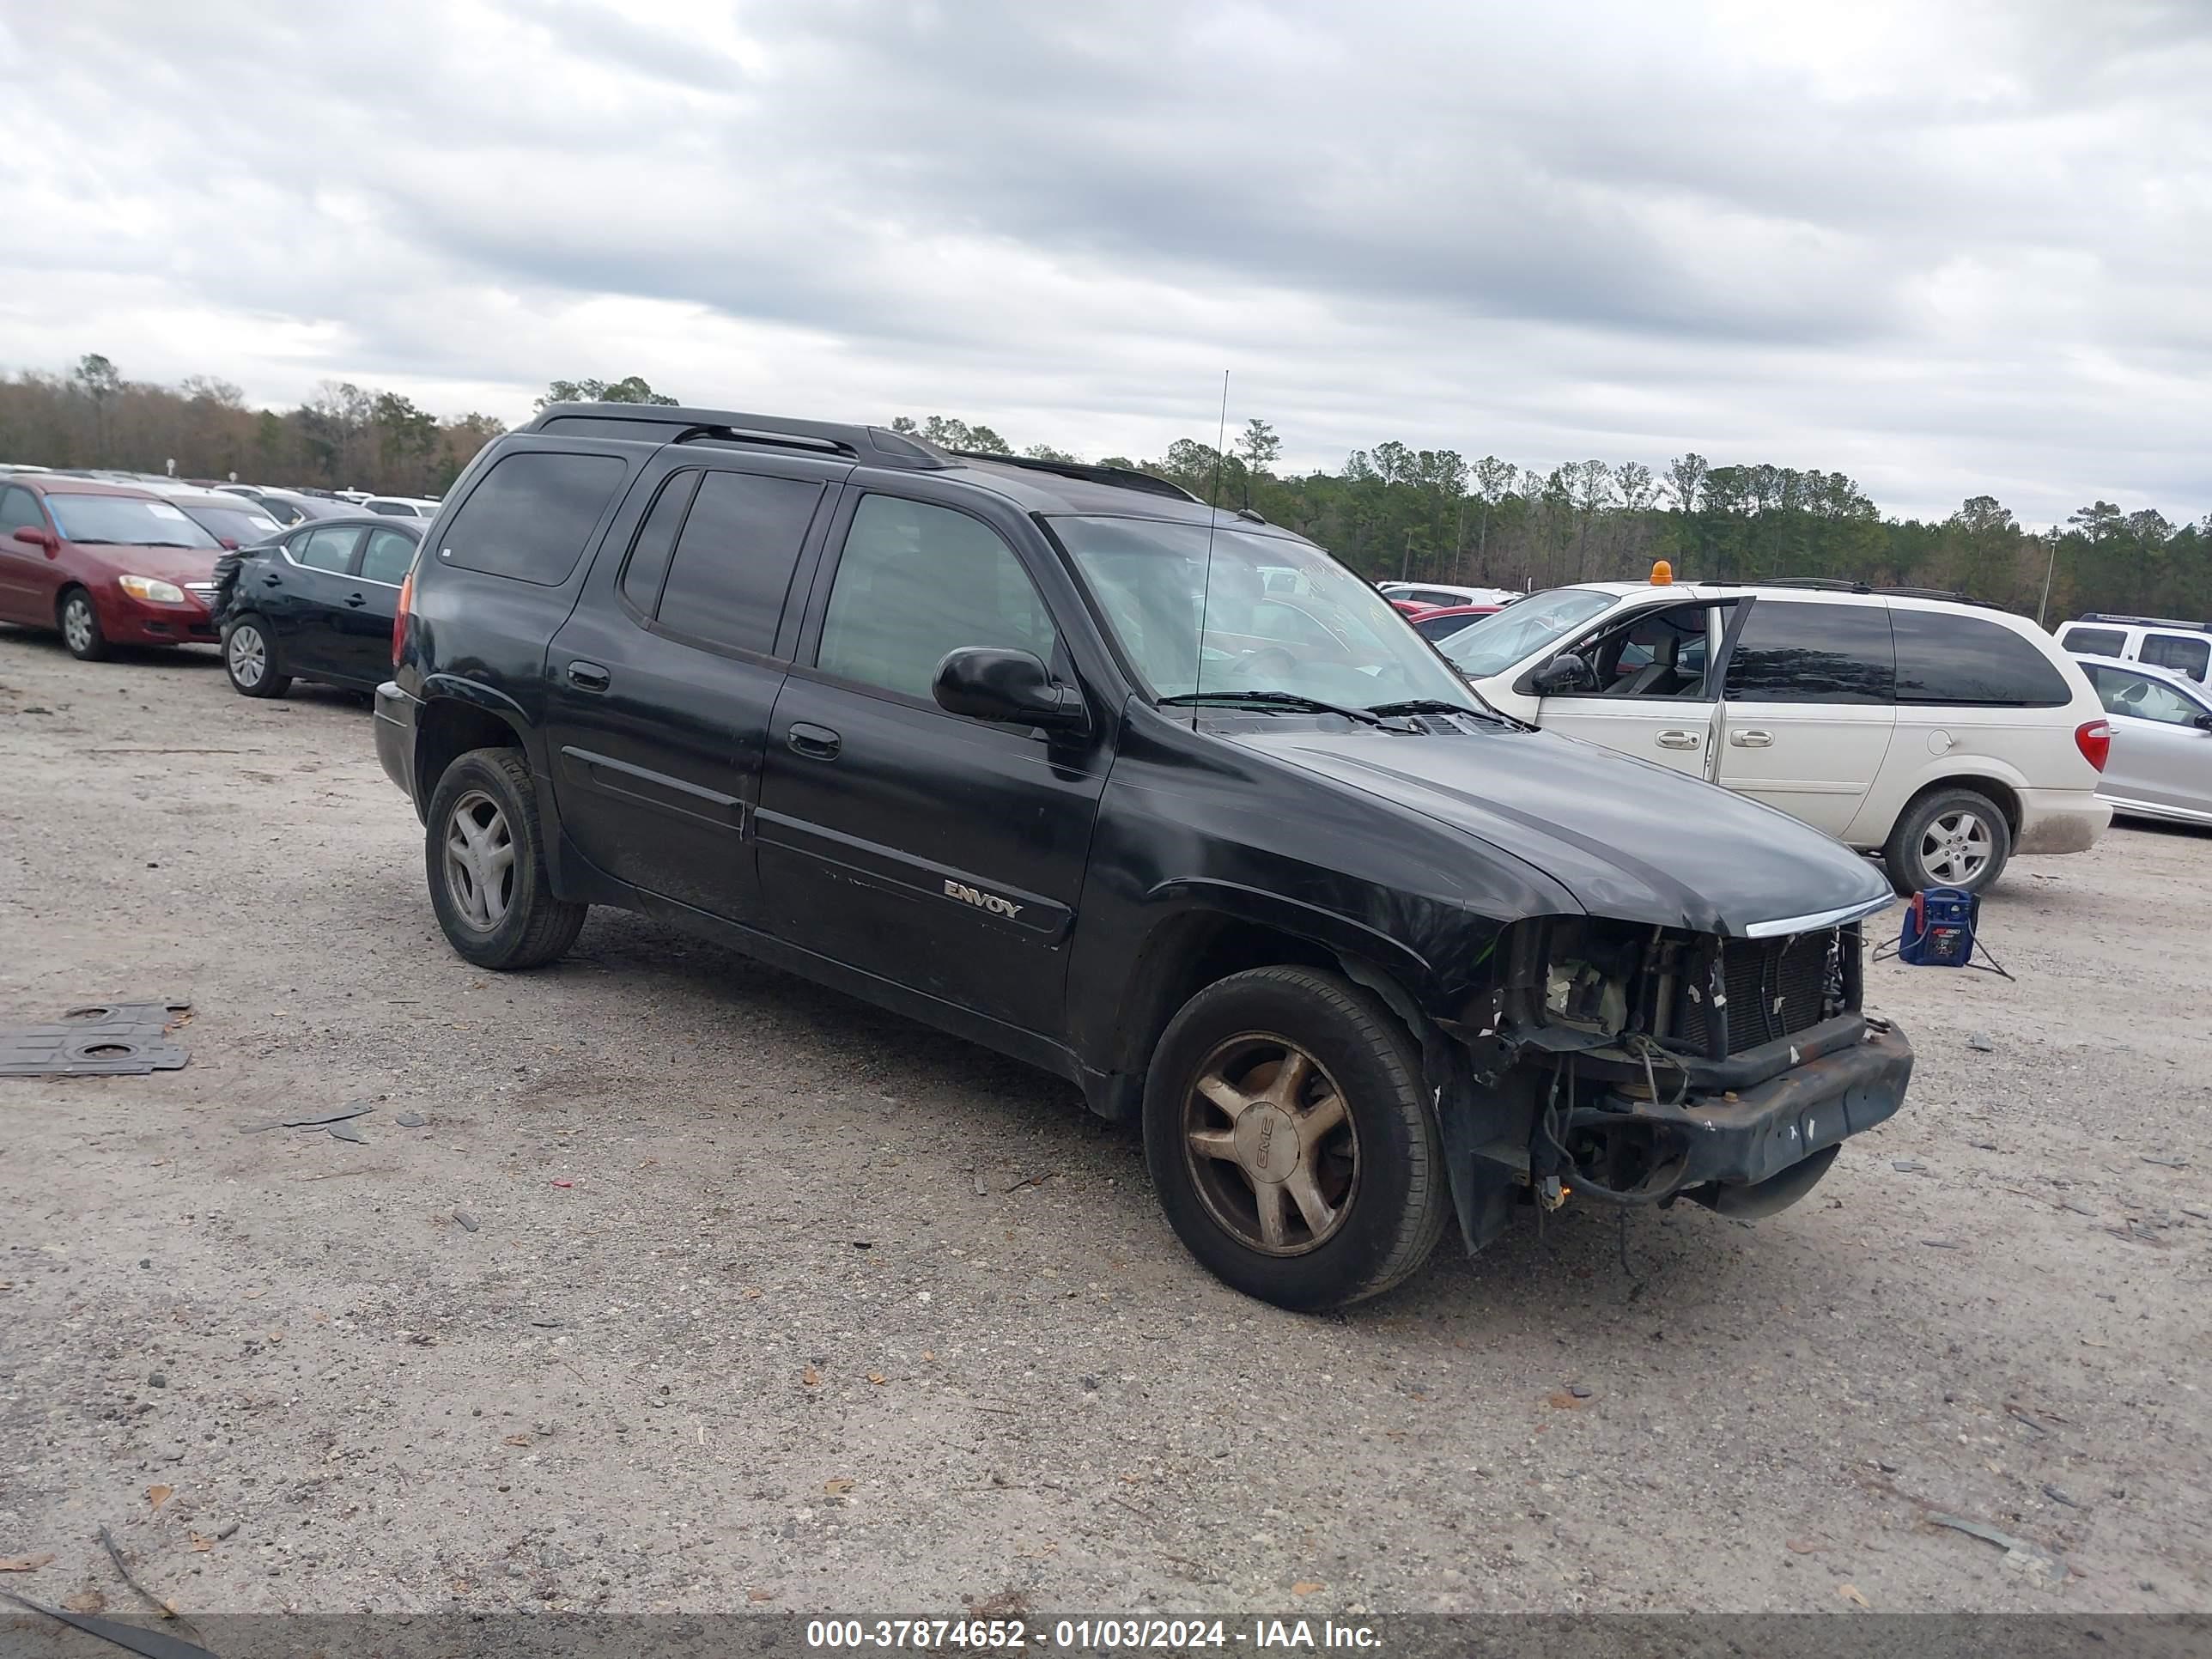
column 1942, row 735
column 2185, row 647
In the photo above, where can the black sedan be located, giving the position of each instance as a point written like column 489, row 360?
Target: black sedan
column 317, row 603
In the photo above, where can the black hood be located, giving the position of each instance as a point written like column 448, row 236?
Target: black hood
column 1628, row 840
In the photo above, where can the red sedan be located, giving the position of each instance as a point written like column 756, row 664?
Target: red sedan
column 1440, row 621
column 103, row 565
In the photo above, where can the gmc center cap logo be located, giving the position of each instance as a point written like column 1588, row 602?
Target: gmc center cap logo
column 982, row 900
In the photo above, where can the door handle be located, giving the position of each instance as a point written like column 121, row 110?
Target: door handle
column 589, row 677
column 1677, row 739
column 356, row 600
column 1752, row 739
column 815, row 742
column 272, row 579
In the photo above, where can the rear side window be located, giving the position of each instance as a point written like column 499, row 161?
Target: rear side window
column 733, row 561
column 1945, row 658
column 2183, row 653
column 1793, row 653
column 531, row 517
column 325, row 549
column 386, row 558
column 647, row 569
column 2095, row 641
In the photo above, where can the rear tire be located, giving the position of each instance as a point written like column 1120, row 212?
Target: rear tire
column 1290, row 1141
column 249, row 657
column 1955, row 837
column 79, row 620
column 483, row 853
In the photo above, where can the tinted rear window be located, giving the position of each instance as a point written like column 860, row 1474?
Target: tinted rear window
column 2183, row 653
column 1793, row 653
column 1945, row 658
column 734, row 558
column 531, row 516
column 2095, row 641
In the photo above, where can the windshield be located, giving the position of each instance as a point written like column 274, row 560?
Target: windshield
column 241, row 524
column 1490, row 645
column 1278, row 615
column 125, row 521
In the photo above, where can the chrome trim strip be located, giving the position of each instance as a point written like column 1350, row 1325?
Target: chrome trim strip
column 1782, row 925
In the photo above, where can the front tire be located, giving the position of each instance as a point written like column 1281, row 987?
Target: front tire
column 249, row 657
column 1290, row 1141
column 79, row 621
column 1948, row 838
column 485, row 856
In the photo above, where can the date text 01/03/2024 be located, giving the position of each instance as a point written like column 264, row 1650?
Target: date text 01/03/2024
column 1086, row 1635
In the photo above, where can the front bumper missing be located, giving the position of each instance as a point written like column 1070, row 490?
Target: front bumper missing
column 1744, row 1138
column 1746, row 1151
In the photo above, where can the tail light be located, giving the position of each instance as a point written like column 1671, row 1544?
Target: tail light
column 2094, row 740
column 400, row 617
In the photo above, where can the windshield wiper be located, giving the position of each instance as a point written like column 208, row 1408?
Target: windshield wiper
column 1433, row 706
column 1421, row 706
column 190, row 547
column 1290, row 701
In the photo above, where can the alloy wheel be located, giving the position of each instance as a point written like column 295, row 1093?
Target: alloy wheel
column 1270, row 1143
column 77, row 622
column 480, row 860
column 249, row 655
column 1956, row 848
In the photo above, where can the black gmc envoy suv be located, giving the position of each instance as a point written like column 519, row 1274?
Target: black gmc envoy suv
column 1164, row 800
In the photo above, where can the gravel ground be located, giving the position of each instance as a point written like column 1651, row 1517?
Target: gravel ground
column 772, row 1300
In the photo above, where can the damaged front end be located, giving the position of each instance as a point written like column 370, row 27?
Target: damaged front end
column 1640, row 1065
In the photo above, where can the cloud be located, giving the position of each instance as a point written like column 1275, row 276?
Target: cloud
column 1949, row 248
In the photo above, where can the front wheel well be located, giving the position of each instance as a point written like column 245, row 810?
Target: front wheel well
column 448, row 728
column 1184, row 957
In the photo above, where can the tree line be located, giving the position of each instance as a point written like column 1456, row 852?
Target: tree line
column 1431, row 515
column 1391, row 511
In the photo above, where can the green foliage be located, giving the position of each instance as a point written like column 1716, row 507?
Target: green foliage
column 631, row 389
column 955, row 434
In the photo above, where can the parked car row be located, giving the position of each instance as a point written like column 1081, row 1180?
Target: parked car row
column 107, row 564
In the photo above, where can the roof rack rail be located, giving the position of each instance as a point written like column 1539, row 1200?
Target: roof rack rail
column 870, row 446
column 1123, row 477
column 1842, row 585
column 2144, row 622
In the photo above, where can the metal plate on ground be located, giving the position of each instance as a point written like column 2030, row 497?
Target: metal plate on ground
column 105, row 1039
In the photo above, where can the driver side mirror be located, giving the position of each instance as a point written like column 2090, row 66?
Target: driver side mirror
column 2204, row 722
column 1563, row 676
column 1012, row 688
column 37, row 536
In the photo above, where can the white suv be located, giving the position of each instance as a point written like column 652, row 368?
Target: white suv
column 1944, row 736
column 2186, row 647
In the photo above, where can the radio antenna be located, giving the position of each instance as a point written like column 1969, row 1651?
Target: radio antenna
column 1212, row 518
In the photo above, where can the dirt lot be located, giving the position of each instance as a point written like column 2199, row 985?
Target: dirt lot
column 775, row 1300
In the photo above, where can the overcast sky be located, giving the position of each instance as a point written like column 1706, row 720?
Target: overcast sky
column 1947, row 247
